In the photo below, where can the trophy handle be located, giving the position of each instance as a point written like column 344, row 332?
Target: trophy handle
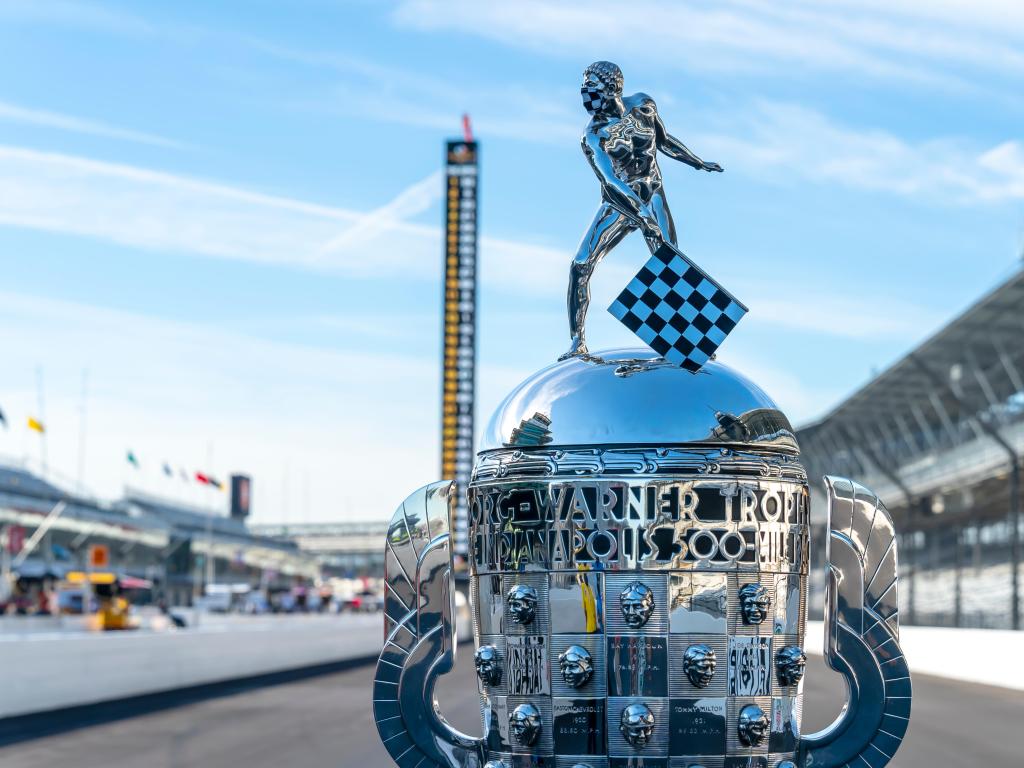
column 861, row 633
column 419, row 636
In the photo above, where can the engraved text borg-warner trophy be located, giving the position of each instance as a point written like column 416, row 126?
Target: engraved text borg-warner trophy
column 638, row 562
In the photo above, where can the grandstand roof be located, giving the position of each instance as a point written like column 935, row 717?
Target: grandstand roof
column 964, row 384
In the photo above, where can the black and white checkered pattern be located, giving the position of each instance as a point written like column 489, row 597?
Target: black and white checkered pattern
column 593, row 99
column 677, row 310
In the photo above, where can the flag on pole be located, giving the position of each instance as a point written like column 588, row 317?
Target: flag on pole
column 36, row 425
column 167, row 470
column 130, row 456
column 183, row 474
column 3, row 419
column 216, row 483
column 202, row 479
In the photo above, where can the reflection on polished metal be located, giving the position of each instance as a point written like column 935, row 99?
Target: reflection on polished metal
column 752, row 727
column 577, row 666
column 637, row 603
column 522, row 603
column 699, row 664
column 524, row 724
column 637, row 725
column 638, row 553
column 591, row 408
column 754, row 602
column 790, row 664
column 621, row 144
column 488, row 666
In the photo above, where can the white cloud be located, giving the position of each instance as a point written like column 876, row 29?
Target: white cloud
column 412, row 201
column 908, row 40
column 161, row 211
column 19, row 114
column 419, row 99
column 790, row 141
column 76, row 14
column 165, row 212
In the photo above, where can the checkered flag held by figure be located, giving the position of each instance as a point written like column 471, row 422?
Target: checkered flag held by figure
column 677, row 309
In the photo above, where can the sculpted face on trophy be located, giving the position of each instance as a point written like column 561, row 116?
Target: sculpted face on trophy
column 637, row 725
column 636, row 535
column 754, row 602
column 790, row 664
column 752, row 728
column 488, row 666
column 522, row 603
column 524, row 724
column 576, row 665
column 699, row 664
column 637, row 603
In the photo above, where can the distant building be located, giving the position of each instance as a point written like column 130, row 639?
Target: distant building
column 940, row 437
column 343, row 549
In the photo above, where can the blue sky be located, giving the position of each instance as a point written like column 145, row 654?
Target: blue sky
column 228, row 214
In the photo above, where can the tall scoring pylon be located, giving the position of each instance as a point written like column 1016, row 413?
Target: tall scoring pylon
column 458, row 383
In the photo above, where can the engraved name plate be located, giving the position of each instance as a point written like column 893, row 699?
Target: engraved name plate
column 637, row 666
column 697, row 726
column 579, row 726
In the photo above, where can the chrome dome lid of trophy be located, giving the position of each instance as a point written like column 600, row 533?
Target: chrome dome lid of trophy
column 639, row 539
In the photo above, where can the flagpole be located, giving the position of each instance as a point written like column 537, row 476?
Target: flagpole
column 211, row 570
column 81, row 431
column 42, row 420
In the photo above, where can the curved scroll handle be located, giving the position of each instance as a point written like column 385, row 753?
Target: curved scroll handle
column 861, row 634
column 419, row 637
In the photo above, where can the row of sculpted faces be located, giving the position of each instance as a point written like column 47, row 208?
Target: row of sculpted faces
column 637, row 725
column 637, row 603
column 699, row 664
column 500, row 764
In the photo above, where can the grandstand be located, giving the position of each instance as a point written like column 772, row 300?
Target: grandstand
column 179, row 548
column 343, row 549
column 939, row 436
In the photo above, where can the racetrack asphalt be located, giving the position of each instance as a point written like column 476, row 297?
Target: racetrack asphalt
column 327, row 721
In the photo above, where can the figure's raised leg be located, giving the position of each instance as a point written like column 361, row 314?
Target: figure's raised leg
column 606, row 231
column 664, row 216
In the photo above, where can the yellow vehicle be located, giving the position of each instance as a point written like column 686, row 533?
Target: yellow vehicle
column 114, row 609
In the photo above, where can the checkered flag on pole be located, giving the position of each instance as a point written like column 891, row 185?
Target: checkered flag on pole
column 677, row 309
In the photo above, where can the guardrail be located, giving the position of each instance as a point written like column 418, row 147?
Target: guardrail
column 56, row 670
column 982, row 656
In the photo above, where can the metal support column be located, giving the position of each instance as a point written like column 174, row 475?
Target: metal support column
column 958, row 576
column 1015, row 543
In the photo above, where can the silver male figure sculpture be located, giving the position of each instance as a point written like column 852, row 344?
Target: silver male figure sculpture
column 622, row 143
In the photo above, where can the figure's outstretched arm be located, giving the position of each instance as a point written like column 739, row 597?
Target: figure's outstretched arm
column 675, row 149
column 619, row 194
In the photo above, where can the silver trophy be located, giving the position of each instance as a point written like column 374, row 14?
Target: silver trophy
column 639, row 538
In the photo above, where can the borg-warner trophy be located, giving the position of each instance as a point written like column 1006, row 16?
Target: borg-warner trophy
column 639, row 541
